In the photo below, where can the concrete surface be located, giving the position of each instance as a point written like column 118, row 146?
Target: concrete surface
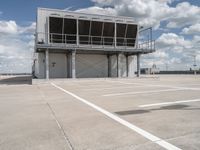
column 42, row 117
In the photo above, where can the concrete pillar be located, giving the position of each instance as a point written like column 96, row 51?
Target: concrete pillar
column 69, row 64
column 73, row 66
column 109, row 65
column 119, row 66
column 127, row 66
column 131, row 66
column 47, row 63
column 138, row 65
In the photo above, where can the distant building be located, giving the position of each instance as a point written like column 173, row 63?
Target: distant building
column 153, row 70
column 75, row 45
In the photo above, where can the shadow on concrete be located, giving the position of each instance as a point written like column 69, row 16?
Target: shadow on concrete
column 16, row 80
column 142, row 111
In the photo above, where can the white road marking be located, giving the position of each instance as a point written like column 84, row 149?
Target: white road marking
column 111, row 88
column 140, row 131
column 142, row 92
column 170, row 103
column 15, row 85
column 157, row 85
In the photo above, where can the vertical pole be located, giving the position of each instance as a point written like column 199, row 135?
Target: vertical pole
column 127, row 66
column 138, row 65
column 73, row 66
column 47, row 63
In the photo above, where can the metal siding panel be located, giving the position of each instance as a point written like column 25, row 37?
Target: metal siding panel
column 91, row 66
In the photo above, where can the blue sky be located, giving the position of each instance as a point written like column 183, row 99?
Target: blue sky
column 25, row 10
column 176, row 26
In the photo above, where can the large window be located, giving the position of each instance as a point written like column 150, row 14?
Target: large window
column 131, row 35
column 64, row 30
column 96, row 33
column 108, row 33
column 121, row 33
column 55, row 29
column 126, row 34
column 70, row 31
column 84, row 32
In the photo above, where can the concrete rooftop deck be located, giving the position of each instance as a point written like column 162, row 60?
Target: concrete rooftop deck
column 147, row 113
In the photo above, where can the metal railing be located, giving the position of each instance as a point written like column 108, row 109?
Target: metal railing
column 93, row 41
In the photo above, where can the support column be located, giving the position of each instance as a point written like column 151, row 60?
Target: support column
column 138, row 65
column 131, row 66
column 117, row 65
column 119, row 74
column 109, row 65
column 47, row 63
column 69, row 64
column 73, row 66
column 127, row 66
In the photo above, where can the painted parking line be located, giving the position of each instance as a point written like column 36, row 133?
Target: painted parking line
column 142, row 92
column 157, row 85
column 170, row 103
column 140, row 131
column 111, row 88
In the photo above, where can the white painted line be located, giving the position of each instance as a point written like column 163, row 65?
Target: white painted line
column 111, row 88
column 142, row 92
column 157, row 85
column 170, row 103
column 140, row 131
column 15, row 85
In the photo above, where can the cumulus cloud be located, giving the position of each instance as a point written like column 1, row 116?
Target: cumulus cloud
column 8, row 27
column 184, row 14
column 175, row 52
column 98, row 10
column 145, row 12
column 149, row 12
column 16, row 47
column 193, row 29
column 172, row 40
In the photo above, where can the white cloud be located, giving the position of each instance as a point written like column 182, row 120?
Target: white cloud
column 184, row 14
column 11, row 27
column 98, row 10
column 193, row 29
column 173, row 41
column 150, row 12
column 145, row 12
column 174, row 51
column 16, row 47
column 8, row 27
